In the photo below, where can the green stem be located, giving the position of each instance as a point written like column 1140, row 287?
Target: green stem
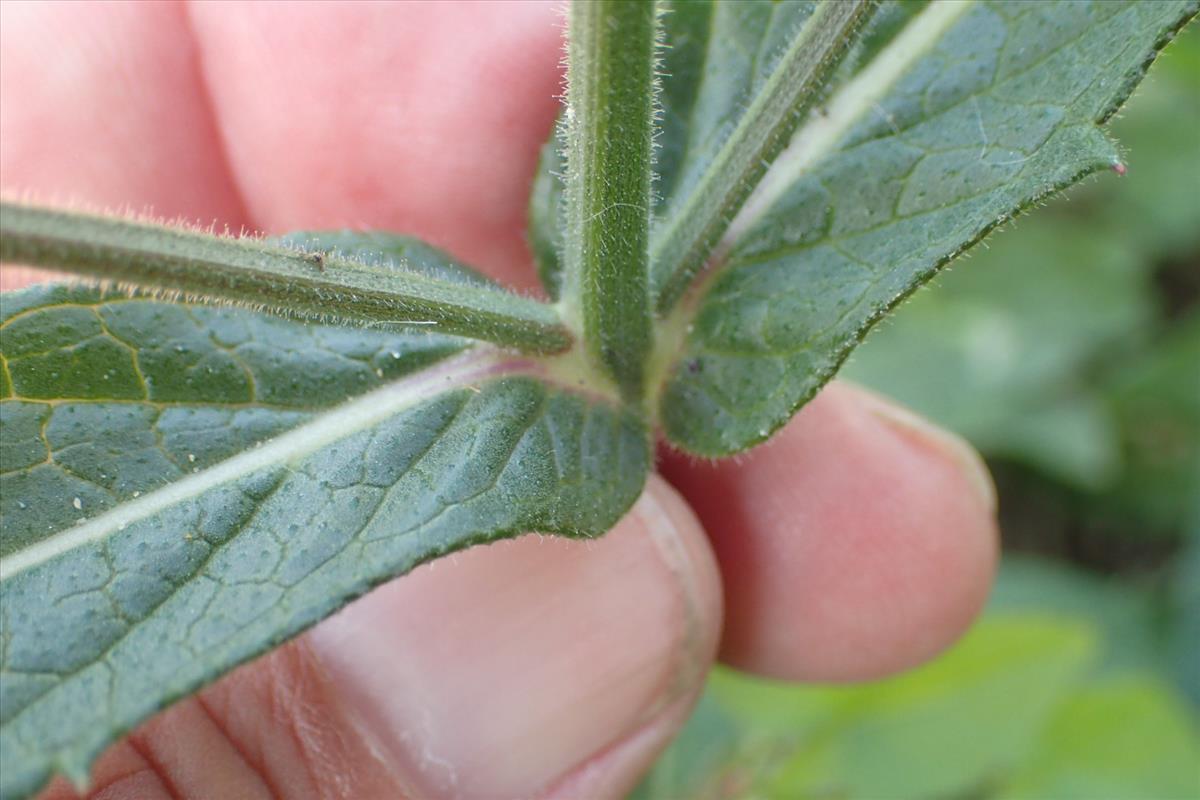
column 610, row 114
column 271, row 278
column 680, row 249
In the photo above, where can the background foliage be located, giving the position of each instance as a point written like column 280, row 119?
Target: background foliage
column 1067, row 349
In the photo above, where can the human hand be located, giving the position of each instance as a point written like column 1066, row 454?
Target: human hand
column 859, row 542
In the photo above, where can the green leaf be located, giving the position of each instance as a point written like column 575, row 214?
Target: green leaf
column 318, row 286
column 114, row 396
column 970, row 115
column 185, row 487
column 937, row 731
column 699, row 757
column 1018, row 349
column 1124, row 738
column 742, row 77
column 1156, row 399
column 609, row 136
column 1128, row 617
column 1154, row 205
column 1184, row 613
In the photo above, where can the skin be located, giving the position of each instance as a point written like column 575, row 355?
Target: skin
column 858, row 543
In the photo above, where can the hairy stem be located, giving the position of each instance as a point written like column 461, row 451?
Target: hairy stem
column 270, row 278
column 680, row 249
column 609, row 121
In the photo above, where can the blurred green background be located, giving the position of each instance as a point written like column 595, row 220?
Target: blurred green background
column 1067, row 349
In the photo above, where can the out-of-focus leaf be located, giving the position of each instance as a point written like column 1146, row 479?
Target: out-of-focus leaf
column 949, row 726
column 1118, row 739
column 1184, row 640
column 701, row 762
column 1001, row 348
column 1154, row 208
column 934, row 731
column 1126, row 616
column 1157, row 402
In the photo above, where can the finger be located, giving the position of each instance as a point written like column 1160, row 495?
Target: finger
column 104, row 106
column 538, row 667
column 860, row 541
column 421, row 118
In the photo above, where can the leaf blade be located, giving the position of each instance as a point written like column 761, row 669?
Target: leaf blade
column 883, row 197
column 209, row 568
column 113, row 395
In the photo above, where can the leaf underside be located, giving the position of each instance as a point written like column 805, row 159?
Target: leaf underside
column 151, row 540
column 983, row 120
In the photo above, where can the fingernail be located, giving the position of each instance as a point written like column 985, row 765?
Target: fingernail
column 924, row 433
column 494, row 672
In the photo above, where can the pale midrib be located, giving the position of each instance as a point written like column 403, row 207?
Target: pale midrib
column 817, row 138
column 339, row 423
column 813, row 142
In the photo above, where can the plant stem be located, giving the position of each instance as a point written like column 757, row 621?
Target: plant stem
column 609, row 120
column 681, row 248
column 270, row 278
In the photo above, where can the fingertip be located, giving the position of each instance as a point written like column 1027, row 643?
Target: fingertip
column 104, row 108
column 860, row 542
column 428, row 122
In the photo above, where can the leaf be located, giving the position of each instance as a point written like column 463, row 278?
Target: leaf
column 952, row 723
column 1184, row 613
column 1124, row 738
column 1128, row 617
column 946, row 728
column 970, row 115
column 325, row 287
column 699, row 757
column 1153, row 205
column 745, row 90
column 937, row 731
column 150, row 543
column 1018, row 348
column 1156, row 399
